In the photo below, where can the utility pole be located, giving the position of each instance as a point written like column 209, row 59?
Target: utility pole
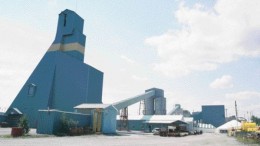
column 250, row 117
column 236, row 113
column 236, row 108
column 226, row 112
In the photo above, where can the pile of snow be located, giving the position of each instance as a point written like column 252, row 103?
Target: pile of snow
column 231, row 124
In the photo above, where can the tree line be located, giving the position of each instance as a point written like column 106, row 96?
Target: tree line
column 256, row 120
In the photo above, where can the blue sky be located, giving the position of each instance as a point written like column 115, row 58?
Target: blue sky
column 200, row 52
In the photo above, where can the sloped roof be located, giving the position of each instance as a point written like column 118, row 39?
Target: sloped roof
column 162, row 119
column 166, row 117
column 188, row 119
column 228, row 125
column 154, row 117
column 166, row 122
column 91, row 106
column 13, row 111
column 159, row 122
column 59, row 111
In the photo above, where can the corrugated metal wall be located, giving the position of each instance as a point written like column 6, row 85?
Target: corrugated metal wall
column 49, row 121
column 160, row 106
column 155, row 105
column 61, row 79
column 213, row 114
column 109, row 120
column 2, row 118
column 149, row 106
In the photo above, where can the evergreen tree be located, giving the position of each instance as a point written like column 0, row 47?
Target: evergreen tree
column 23, row 123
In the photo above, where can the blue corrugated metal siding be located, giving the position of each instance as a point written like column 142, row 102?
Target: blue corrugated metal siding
column 42, row 78
column 149, row 106
column 45, row 122
column 156, row 104
column 95, row 86
column 160, row 106
column 213, row 114
column 140, row 125
column 66, row 27
column 49, row 121
column 109, row 120
column 137, row 125
column 2, row 118
column 197, row 116
column 72, row 86
column 62, row 81
column 75, row 54
column 158, row 92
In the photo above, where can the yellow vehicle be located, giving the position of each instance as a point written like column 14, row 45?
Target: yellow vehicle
column 249, row 127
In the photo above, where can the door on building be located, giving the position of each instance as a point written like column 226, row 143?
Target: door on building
column 97, row 120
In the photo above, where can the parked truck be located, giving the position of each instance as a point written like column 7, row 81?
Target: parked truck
column 177, row 131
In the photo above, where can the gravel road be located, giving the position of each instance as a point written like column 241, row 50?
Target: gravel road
column 124, row 139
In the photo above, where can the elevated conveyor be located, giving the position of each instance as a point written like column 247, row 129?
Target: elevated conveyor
column 110, row 112
column 132, row 100
column 123, row 106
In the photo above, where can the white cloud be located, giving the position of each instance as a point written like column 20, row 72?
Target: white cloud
column 244, row 95
column 222, row 83
column 128, row 60
column 247, row 102
column 208, row 38
column 21, row 49
column 138, row 78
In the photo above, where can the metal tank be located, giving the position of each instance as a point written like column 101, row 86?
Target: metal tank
column 158, row 92
column 160, row 106
column 148, row 106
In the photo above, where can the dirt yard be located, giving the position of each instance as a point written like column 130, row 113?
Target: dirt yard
column 122, row 139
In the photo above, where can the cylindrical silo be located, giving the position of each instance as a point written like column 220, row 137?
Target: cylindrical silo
column 160, row 106
column 149, row 106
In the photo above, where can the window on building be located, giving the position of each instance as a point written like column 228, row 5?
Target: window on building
column 31, row 89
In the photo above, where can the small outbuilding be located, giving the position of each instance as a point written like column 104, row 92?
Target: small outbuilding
column 103, row 116
column 148, row 122
column 12, row 116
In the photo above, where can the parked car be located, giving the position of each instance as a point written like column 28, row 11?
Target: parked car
column 156, row 131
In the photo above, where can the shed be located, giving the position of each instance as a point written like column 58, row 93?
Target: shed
column 13, row 116
column 103, row 116
column 148, row 122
